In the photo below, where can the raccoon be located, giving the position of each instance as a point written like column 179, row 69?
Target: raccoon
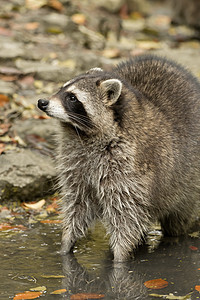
column 128, row 151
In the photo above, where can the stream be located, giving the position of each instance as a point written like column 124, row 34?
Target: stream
column 30, row 259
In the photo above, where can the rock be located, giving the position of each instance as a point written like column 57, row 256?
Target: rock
column 89, row 38
column 7, row 88
column 63, row 22
column 10, row 49
column 186, row 12
column 112, row 6
column 37, row 127
column 45, row 71
column 25, row 175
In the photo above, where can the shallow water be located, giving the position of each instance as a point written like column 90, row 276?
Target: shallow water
column 27, row 256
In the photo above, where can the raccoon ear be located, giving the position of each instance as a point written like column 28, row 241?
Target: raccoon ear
column 94, row 70
column 112, row 88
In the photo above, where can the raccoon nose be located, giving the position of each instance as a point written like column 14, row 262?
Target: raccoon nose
column 43, row 104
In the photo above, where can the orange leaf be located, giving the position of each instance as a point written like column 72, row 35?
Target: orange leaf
column 85, row 296
column 3, row 99
column 197, row 288
column 58, row 292
column 156, row 284
column 50, row 221
column 193, row 248
column 27, row 295
column 6, row 226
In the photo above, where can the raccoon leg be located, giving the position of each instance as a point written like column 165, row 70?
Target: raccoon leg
column 176, row 223
column 126, row 234
column 76, row 220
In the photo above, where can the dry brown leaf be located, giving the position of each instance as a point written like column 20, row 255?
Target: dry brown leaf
column 7, row 226
column 57, row 5
column 3, row 99
column 51, row 221
column 156, row 284
column 85, row 296
column 8, row 77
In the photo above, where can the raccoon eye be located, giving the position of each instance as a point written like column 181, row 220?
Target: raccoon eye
column 72, row 97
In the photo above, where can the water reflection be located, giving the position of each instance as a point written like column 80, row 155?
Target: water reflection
column 176, row 260
column 116, row 281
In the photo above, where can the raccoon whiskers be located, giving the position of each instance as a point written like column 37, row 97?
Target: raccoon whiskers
column 79, row 135
column 82, row 120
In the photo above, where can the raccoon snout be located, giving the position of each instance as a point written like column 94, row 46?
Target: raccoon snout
column 43, row 104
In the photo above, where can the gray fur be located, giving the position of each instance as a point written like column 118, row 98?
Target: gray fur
column 139, row 161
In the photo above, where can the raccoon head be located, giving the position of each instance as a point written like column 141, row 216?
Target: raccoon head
column 85, row 102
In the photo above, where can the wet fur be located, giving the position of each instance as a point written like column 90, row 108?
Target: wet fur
column 140, row 164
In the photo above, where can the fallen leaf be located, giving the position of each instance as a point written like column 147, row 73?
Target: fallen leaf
column 52, row 208
column 8, row 77
column 18, row 140
column 36, row 205
column 197, row 288
column 7, row 226
column 51, row 221
column 52, row 276
column 57, row 5
column 39, row 289
column 195, row 234
column 4, row 127
column 85, row 296
column 27, row 295
column 58, row 292
column 172, row 296
column 79, row 19
column 2, row 148
column 156, row 284
column 3, row 99
column 193, row 248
